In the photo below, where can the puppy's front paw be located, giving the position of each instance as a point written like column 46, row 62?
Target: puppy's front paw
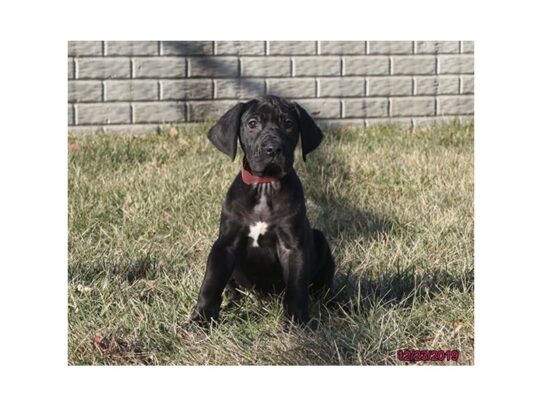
column 299, row 315
column 204, row 315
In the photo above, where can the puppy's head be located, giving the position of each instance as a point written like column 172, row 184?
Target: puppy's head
column 268, row 130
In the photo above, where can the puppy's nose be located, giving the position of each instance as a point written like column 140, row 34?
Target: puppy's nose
column 271, row 150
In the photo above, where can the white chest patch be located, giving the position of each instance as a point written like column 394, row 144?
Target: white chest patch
column 259, row 228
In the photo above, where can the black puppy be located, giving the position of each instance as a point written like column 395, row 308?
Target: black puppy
column 265, row 240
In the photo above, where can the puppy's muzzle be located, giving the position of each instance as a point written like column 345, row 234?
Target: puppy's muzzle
column 272, row 149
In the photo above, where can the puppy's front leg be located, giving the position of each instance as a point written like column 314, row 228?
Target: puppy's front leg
column 293, row 261
column 220, row 265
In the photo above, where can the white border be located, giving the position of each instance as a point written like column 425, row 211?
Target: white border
column 34, row 221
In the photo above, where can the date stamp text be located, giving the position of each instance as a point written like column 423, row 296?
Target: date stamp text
column 411, row 355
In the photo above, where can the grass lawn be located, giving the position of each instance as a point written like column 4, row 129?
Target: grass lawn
column 396, row 206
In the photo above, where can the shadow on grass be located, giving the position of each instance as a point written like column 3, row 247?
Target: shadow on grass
column 399, row 288
column 128, row 270
column 358, row 296
column 364, row 309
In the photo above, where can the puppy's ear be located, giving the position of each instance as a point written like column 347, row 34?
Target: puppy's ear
column 311, row 135
column 225, row 132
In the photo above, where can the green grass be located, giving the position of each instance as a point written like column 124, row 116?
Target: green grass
column 395, row 204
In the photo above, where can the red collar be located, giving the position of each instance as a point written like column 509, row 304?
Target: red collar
column 249, row 178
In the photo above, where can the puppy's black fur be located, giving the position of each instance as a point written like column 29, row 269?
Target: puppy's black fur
column 265, row 240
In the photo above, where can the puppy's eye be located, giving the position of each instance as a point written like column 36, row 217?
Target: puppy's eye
column 252, row 123
column 288, row 123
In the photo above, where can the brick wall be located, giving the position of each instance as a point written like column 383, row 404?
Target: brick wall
column 136, row 86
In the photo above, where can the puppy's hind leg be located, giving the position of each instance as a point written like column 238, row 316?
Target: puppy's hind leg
column 231, row 293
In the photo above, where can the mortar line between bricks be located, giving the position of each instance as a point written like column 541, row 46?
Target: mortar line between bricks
column 132, row 69
column 75, row 69
column 396, row 54
column 104, row 91
column 272, row 57
column 104, row 48
column 292, row 67
column 304, row 98
column 160, row 48
column 317, row 84
column 187, row 67
column 461, row 47
column 266, row 47
column 75, row 114
column 132, row 113
column 160, row 91
column 195, row 78
column 389, row 107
